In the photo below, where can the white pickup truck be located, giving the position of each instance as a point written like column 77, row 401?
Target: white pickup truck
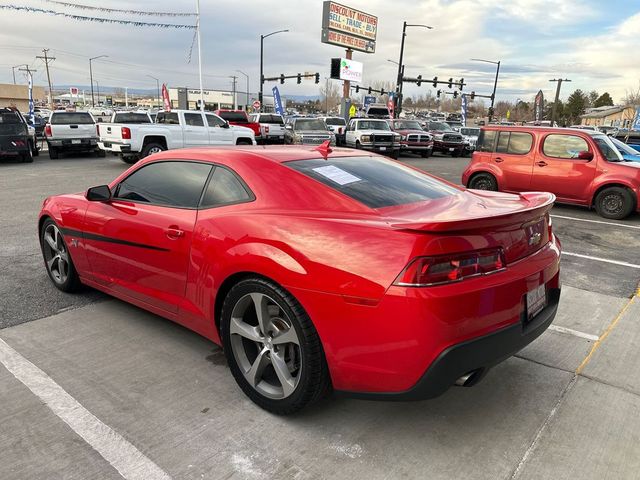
column 271, row 127
column 174, row 129
column 71, row 132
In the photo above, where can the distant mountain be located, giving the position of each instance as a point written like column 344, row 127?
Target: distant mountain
column 105, row 89
column 301, row 98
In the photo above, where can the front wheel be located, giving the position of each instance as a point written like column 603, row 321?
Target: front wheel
column 244, row 141
column 483, row 181
column 151, row 148
column 426, row 153
column 614, row 203
column 57, row 259
column 273, row 349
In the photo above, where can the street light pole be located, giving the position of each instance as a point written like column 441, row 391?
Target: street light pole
column 247, row 76
column 399, row 82
column 555, row 103
column 262, row 37
column 158, row 89
column 93, row 102
column 495, row 83
column 13, row 71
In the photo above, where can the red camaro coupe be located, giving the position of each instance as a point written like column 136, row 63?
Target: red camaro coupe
column 316, row 269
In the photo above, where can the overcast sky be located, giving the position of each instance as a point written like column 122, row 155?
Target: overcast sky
column 595, row 43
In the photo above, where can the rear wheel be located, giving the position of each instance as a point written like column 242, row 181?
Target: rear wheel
column 426, row 153
column 27, row 157
column 53, row 152
column 129, row 159
column 243, row 141
column 483, row 181
column 614, row 203
column 57, row 259
column 272, row 348
column 151, row 148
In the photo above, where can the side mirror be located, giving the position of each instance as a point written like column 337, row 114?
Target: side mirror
column 225, row 125
column 584, row 155
column 288, row 126
column 101, row 193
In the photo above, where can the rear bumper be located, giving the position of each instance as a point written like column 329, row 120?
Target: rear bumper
column 73, row 143
column 474, row 356
column 114, row 147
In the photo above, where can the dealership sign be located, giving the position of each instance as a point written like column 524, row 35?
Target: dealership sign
column 346, row 27
column 350, row 70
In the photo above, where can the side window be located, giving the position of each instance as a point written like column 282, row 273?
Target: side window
column 215, row 121
column 520, row 143
column 193, row 119
column 503, row 142
column 168, row 118
column 487, row 140
column 174, row 184
column 564, row 146
column 224, row 189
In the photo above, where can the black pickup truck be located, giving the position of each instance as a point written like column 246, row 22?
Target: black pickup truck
column 15, row 140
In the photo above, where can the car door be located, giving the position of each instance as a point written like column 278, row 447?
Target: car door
column 196, row 134
column 558, row 169
column 219, row 131
column 513, row 154
column 138, row 243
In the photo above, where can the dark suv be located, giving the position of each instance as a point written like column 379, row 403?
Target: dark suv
column 15, row 140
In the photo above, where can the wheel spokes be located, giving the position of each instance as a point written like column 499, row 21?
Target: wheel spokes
column 239, row 327
column 254, row 375
column 282, row 371
column 260, row 302
column 288, row 336
column 51, row 242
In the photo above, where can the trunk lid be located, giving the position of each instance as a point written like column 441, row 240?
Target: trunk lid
column 519, row 224
column 111, row 132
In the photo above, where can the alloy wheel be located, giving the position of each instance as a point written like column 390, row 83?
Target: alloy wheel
column 265, row 346
column 55, row 254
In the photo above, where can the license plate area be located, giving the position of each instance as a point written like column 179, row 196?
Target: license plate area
column 76, row 142
column 536, row 300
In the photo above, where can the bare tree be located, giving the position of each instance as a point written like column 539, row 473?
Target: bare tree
column 632, row 97
column 330, row 95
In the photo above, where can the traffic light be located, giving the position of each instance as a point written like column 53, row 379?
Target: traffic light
column 282, row 78
column 455, row 94
column 335, row 68
column 419, row 80
column 435, row 82
column 438, row 93
column 369, row 91
column 357, row 88
column 450, row 83
column 473, row 95
column 382, row 92
column 461, row 83
column 317, row 78
column 299, row 79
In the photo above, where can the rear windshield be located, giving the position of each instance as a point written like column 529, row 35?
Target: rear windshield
column 238, row 117
column 309, row 125
column 407, row 125
column 11, row 117
column 71, row 118
column 375, row 182
column 131, row 118
column 271, row 119
column 335, row 121
column 379, row 111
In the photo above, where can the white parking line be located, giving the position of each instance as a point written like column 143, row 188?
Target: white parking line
column 113, row 447
column 635, row 227
column 598, row 259
column 575, row 333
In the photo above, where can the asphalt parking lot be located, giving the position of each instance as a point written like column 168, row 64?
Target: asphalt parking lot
column 78, row 369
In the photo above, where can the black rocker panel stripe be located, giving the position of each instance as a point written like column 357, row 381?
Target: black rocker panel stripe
column 101, row 238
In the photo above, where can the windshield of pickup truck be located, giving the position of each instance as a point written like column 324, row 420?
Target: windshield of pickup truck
column 407, row 125
column 131, row 117
column 440, row 127
column 607, row 148
column 373, row 125
column 71, row 118
column 237, row 117
column 308, row 125
column 335, row 121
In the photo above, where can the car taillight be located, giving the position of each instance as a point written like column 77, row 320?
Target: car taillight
column 266, row 129
column 126, row 133
column 549, row 227
column 98, row 130
column 340, row 131
column 441, row 269
column 47, row 130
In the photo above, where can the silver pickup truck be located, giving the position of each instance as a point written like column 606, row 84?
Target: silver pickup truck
column 71, row 132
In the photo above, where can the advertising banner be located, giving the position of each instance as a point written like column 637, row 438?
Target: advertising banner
column 368, row 99
column 348, row 41
column 165, row 98
column 538, row 108
column 636, row 121
column 347, row 27
column 277, row 101
column 391, row 104
column 350, row 70
column 31, row 112
column 463, row 111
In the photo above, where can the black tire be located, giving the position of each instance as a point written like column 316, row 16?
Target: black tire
column 53, row 153
column 244, row 141
column 71, row 281
column 395, row 154
column 151, row 148
column 130, row 160
column 100, row 153
column 312, row 379
column 358, row 145
column 426, row 153
column 35, row 151
column 614, row 203
column 483, row 181
column 27, row 157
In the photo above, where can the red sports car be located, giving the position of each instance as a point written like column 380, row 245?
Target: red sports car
column 316, row 269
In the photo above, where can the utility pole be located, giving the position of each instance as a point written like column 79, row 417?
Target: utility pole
column 555, row 103
column 247, row 76
column 46, row 64
column 235, row 98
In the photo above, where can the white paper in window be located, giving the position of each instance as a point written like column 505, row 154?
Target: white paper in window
column 337, row 175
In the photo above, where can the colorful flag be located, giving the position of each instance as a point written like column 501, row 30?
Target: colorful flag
column 165, row 98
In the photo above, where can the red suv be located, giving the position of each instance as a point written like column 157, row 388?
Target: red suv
column 578, row 166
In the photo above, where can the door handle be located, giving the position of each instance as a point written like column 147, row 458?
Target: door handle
column 174, row 232
column 541, row 163
column 498, row 160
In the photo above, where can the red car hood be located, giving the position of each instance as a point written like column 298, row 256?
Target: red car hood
column 469, row 210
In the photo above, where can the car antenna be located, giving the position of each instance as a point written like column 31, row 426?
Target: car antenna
column 325, row 148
